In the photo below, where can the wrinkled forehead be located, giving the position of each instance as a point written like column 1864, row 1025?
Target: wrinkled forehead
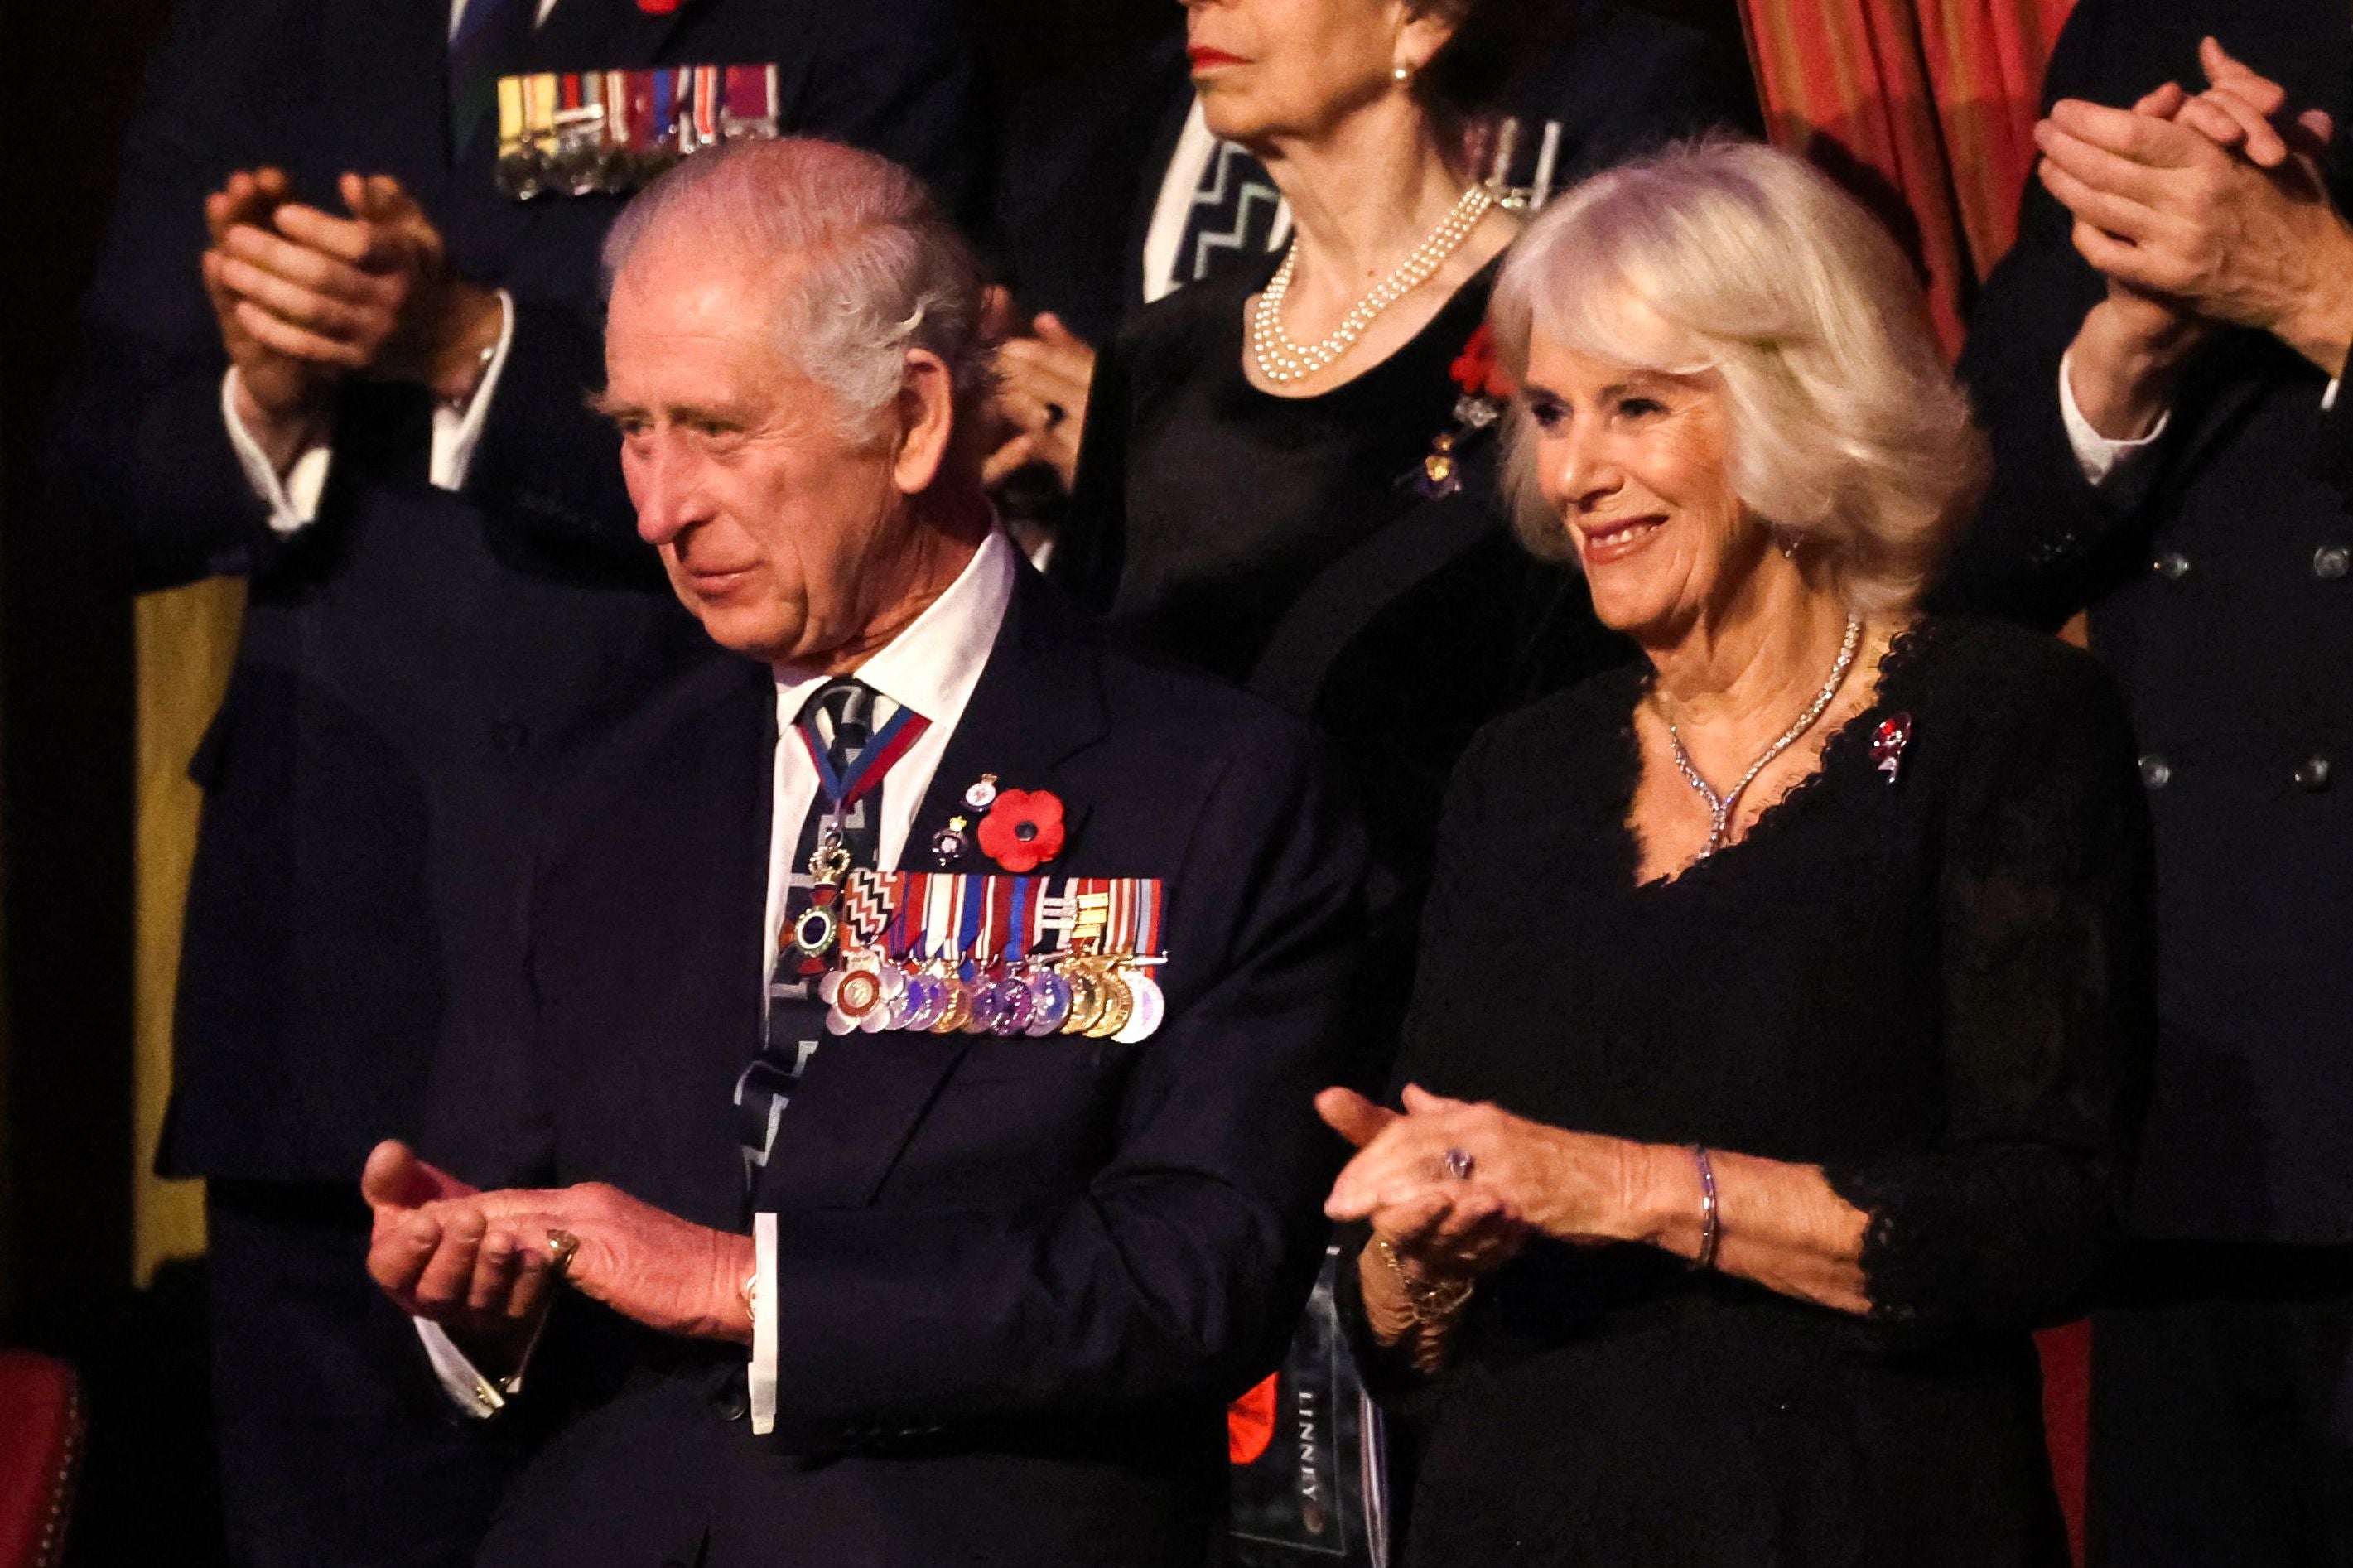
column 678, row 302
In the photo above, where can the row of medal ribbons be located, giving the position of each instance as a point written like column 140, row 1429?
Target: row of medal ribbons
column 610, row 131
column 995, row 955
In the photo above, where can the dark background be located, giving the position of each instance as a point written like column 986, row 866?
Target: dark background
column 66, row 786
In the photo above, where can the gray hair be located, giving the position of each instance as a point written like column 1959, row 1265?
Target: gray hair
column 873, row 268
column 1848, row 430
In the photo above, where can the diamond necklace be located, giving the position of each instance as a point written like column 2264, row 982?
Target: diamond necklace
column 1719, row 807
column 1283, row 361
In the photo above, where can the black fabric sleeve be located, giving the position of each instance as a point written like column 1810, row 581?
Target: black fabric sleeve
column 1092, row 549
column 1182, row 1269
column 2045, row 542
column 1388, row 1373
column 138, row 455
column 2048, row 945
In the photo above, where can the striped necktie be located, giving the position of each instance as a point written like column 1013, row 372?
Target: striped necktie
column 853, row 736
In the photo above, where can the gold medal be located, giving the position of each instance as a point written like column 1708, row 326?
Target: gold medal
column 1086, row 998
column 1119, row 1005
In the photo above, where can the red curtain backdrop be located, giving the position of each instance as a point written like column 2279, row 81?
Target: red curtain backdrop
column 1924, row 109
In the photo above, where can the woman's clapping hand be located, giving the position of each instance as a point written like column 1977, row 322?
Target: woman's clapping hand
column 1456, row 1188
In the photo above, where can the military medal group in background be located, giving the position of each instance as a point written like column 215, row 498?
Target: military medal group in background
column 611, row 132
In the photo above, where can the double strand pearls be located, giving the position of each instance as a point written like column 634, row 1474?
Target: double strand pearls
column 1719, row 807
column 1281, row 361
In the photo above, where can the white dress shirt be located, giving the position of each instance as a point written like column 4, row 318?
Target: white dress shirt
column 931, row 667
column 2101, row 458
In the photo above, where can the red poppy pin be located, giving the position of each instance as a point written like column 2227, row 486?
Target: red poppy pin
column 1023, row 829
column 1477, row 370
column 1887, row 744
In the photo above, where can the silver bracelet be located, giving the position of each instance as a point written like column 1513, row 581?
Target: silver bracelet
column 1710, row 1225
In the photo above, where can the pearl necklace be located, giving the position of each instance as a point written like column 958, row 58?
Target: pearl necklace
column 1283, row 361
column 1719, row 807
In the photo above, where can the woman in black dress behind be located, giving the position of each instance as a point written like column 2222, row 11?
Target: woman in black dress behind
column 1783, row 999
column 1287, row 470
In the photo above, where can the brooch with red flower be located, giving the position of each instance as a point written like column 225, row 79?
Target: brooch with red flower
column 1486, row 387
column 1023, row 829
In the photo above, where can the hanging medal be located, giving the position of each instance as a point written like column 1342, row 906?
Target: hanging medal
column 1143, row 950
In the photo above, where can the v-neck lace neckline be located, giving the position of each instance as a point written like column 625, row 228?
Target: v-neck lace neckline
column 1850, row 736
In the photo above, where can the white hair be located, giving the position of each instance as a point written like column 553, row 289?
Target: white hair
column 872, row 268
column 1847, row 427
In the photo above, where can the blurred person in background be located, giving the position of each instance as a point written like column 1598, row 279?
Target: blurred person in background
column 2159, row 362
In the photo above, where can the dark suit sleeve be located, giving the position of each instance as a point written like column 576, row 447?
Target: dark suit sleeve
column 139, row 455
column 2045, row 541
column 1091, row 550
column 2045, row 902
column 1180, row 1270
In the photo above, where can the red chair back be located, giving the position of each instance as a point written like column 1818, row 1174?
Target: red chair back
column 40, row 1449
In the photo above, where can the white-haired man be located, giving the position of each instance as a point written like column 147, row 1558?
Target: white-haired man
column 929, row 1001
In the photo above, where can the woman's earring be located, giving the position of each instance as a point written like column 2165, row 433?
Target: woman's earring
column 1789, row 543
column 1401, row 74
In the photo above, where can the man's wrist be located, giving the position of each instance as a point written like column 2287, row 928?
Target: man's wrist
column 2322, row 328
column 474, row 319
column 282, row 435
column 731, row 1312
column 2121, row 378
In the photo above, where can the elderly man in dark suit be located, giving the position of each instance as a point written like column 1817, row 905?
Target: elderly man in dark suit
column 2159, row 362
column 925, row 1009
column 325, row 351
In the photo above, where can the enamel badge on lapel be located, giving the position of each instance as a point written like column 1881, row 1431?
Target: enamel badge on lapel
column 1023, row 829
column 1887, row 743
column 949, row 844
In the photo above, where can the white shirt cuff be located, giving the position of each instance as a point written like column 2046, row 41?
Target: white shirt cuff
column 457, row 431
column 293, row 497
column 763, row 1373
column 2097, row 455
column 463, row 1381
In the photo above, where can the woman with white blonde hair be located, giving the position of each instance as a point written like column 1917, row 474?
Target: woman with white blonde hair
column 1786, row 995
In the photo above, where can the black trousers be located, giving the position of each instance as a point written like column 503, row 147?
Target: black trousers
column 2222, row 1409
column 337, row 1448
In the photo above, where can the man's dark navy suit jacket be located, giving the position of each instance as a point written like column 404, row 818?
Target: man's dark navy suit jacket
column 2210, row 597
column 415, row 658
column 1019, row 1279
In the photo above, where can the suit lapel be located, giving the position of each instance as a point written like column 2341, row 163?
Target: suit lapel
column 1038, row 702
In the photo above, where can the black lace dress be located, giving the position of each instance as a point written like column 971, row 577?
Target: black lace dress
column 1936, row 985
